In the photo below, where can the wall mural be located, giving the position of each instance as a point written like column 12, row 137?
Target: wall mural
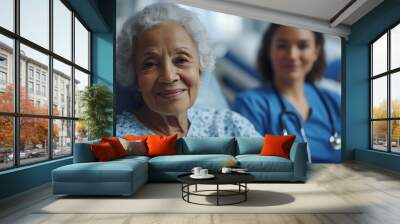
column 193, row 72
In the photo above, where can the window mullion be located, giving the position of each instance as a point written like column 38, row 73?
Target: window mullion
column 371, row 98
column 16, row 70
column 73, row 82
column 389, row 106
column 50, row 87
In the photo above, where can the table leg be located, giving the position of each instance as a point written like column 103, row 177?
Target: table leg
column 245, row 191
column 217, row 194
column 182, row 188
column 196, row 188
column 188, row 189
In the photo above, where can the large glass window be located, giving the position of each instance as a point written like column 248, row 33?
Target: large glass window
column 30, row 57
column 40, row 124
column 6, row 142
column 7, row 14
column 81, row 81
column 33, row 140
column 81, row 45
column 395, row 47
column 6, row 73
column 385, row 94
column 62, row 137
column 35, row 21
column 62, row 76
column 62, row 29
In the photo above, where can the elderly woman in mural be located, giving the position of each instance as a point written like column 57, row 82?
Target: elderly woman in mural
column 162, row 52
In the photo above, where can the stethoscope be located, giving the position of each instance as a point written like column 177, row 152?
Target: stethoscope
column 334, row 139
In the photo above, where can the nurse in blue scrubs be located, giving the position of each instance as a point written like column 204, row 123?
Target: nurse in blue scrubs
column 291, row 61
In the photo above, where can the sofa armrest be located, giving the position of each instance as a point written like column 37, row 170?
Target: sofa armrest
column 83, row 152
column 298, row 155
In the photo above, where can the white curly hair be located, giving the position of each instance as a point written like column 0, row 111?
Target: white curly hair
column 146, row 19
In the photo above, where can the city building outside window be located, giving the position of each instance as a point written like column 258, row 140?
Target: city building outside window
column 38, row 89
column 3, row 61
column 30, row 87
column 43, row 90
column 43, row 77
column 30, row 72
column 37, row 74
column 3, row 78
column 3, row 72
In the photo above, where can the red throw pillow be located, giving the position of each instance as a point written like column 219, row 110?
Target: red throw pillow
column 103, row 151
column 161, row 145
column 277, row 145
column 116, row 145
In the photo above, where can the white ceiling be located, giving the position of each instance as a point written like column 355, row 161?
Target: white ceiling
column 317, row 15
column 319, row 9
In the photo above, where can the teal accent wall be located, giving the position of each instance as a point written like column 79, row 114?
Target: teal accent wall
column 103, row 53
column 356, row 83
column 380, row 159
column 99, row 16
column 102, row 58
column 24, row 178
column 91, row 14
column 102, row 63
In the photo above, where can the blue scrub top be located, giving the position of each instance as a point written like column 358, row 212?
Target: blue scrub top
column 261, row 106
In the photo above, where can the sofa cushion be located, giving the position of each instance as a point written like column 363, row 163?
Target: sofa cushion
column 185, row 163
column 93, row 172
column 249, row 145
column 111, row 171
column 207, row 145
column 257, row 163
column 83, row 152
column 131, row 158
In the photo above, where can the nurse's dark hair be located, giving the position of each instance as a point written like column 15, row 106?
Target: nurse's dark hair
column 264, row 64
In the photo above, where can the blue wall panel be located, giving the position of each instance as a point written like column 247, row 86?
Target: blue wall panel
column 102, row 58
column 90, row 12
column 356, row 98
column 380, row 159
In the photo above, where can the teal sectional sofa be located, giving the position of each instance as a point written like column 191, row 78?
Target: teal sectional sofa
column 125, row 176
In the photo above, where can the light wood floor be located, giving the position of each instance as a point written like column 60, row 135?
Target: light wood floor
column 378, row 188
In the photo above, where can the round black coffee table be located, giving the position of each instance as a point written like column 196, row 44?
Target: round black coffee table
column 238, row 179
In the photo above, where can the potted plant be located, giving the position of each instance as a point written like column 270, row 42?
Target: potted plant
column 96, row 104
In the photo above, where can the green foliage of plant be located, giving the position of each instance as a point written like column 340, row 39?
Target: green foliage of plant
column 96, row 104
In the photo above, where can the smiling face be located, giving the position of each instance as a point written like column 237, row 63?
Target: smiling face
column 167, row 68
column 293, row 53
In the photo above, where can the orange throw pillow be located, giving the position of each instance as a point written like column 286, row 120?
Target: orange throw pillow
column 116, row 145
column 135, row 137
column 103, row 151
column 161, row 145
column 277, row 145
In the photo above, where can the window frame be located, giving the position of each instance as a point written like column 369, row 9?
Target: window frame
column 16, row 115
column 388, row 74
